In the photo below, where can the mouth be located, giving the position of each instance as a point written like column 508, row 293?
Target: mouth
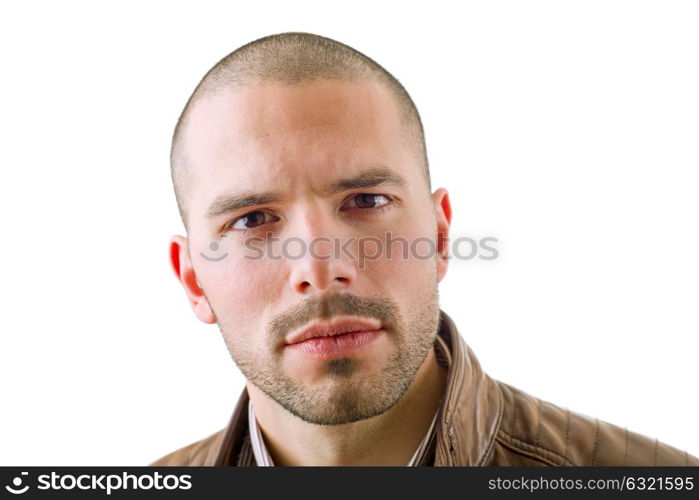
column 338, row 337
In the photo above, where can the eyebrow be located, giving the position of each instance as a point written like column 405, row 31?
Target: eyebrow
column 372, row 177
column 224, row 204
column 368, row 178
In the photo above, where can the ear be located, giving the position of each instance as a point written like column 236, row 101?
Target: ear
column 442, row 209
column 184, row 271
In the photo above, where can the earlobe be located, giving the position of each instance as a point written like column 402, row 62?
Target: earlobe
column 181, row 265
column 442, row 208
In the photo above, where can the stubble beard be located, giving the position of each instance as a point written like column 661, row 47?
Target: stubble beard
column 348, row 395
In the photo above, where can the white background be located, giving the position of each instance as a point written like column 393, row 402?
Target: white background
column 568, row 130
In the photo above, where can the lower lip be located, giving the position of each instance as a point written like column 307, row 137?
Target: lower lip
column 338, row 345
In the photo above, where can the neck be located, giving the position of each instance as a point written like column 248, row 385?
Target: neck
column 387, row 439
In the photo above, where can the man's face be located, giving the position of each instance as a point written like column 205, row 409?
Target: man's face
column 294, row 185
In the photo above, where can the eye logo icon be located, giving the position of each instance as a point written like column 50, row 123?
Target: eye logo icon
column 17, row 482
column 214, row 246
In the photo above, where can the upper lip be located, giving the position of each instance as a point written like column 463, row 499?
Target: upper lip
column 336, row 326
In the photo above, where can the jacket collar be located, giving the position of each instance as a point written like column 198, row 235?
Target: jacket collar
column 472, row 410
column 467, row 422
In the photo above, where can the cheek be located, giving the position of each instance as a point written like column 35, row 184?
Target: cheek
column 241, row 291
column 407, row 261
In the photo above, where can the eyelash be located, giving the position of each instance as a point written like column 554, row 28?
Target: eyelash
column 390, row 201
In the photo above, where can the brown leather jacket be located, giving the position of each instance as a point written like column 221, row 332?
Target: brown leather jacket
column 484, row 422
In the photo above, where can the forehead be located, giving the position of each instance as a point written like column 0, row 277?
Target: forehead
column 272, row 136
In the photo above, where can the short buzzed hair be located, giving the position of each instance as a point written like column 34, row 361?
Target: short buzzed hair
column 289, row 58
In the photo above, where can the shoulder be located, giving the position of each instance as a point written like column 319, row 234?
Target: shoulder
column 536, row 432
column 193, row 454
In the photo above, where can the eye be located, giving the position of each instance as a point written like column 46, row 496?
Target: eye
column 251, row 220
column 367, row 201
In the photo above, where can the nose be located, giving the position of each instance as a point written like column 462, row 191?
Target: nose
column 324, row 267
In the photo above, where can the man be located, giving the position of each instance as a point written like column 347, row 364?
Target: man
column 296, row 138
